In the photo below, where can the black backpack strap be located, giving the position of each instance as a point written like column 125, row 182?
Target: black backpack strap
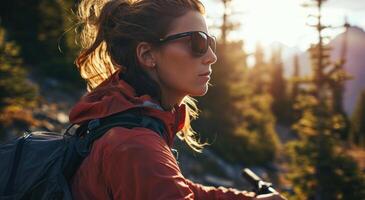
column 98, row 127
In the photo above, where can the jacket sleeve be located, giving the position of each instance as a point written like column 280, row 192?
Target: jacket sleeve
column 213, row 193
column 143, row 168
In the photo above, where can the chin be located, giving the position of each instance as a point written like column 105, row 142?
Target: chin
column 199, row 92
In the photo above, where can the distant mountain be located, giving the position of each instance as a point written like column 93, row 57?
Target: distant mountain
column 355, row 64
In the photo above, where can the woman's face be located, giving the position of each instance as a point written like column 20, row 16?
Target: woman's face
column 178, row 69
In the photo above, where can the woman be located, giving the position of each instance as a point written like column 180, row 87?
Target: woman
column 154, row 55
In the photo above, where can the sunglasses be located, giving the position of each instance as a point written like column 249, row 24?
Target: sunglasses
column 200, row 41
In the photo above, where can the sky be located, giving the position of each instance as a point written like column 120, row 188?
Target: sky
column 283, row 21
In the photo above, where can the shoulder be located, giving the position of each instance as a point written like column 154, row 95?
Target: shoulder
column 124, row 139
column 138, row 147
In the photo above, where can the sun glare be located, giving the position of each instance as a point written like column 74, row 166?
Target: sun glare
column 269, row 21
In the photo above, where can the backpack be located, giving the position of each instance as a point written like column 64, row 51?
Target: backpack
column 40, row 165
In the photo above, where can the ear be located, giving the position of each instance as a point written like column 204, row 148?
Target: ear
column 145, row 55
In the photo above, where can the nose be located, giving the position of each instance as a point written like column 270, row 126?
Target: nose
column 210, row 57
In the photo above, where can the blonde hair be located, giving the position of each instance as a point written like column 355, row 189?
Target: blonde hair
column 110, row 30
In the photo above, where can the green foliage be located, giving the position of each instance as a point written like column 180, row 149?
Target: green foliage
column 293, row 92
column 235, row 113
column 256, row 129
column 16, row 93
column 278, row 88
column 357, row 133
column 56, row 35
column 320, row 167
column 39, row 27
column 330, row 174
column 220, row 126
column 14, row 88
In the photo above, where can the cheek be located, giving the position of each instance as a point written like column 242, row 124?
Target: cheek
column 178, row 66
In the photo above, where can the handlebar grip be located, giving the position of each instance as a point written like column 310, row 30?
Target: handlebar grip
column 261, row 187
column 251, row 176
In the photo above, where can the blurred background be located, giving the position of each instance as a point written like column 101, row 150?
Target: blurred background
column 287, row 98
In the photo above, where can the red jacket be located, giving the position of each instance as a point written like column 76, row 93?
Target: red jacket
column 134, row 164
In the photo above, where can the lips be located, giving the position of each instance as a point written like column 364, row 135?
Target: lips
column 205, row 73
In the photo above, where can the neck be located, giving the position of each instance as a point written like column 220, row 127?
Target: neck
column 169, row 99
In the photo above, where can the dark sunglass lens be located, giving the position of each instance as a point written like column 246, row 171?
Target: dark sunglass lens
column 199, row 43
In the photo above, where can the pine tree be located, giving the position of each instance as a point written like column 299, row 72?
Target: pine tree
column 236, row 118
column 255, row 122
column 241, row 120
column 39, row 28
column 16, row 93
column 357, row 133
column 294, row 114
column 260, row 71
column 296, row 77
column 320, row 167
column 278, row 88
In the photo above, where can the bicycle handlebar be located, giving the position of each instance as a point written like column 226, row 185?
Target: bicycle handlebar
column 260, row 186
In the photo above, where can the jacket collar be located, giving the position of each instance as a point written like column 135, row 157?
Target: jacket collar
column 115, row 95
